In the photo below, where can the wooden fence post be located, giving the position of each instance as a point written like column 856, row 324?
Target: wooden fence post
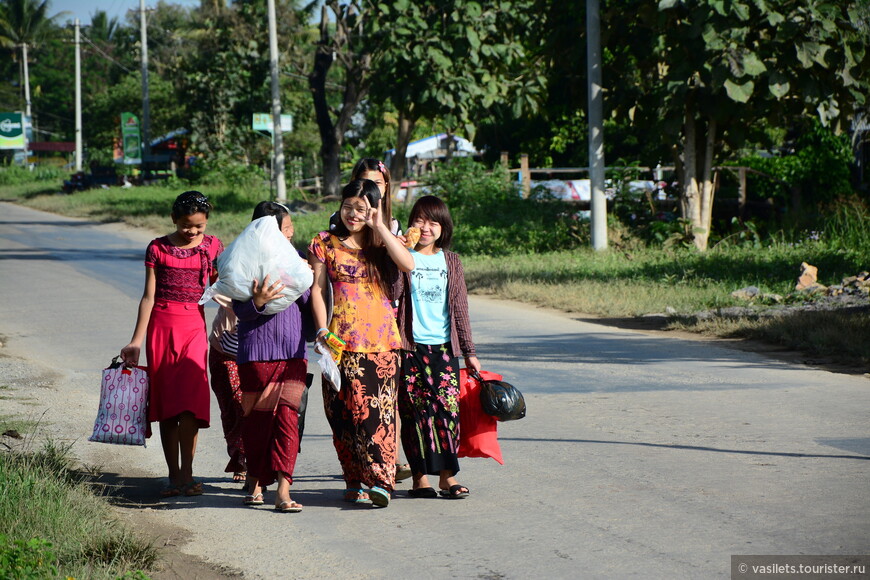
column 524, row 173
column 504, row 159
column 742, row 207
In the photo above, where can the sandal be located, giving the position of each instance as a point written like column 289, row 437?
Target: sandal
column 239, row 476
column 171, row 491
column 455, row 492
column 379, row 496
column 403, row 471
column 289, row 506
column 353, row 495
column 424, row 492
column 256, row 499
column 191, row 489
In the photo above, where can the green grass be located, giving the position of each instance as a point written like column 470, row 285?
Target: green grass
column 649, row 280
column 16, row 423
column 43, row 498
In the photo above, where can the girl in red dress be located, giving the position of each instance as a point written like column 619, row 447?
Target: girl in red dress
column 178, row 267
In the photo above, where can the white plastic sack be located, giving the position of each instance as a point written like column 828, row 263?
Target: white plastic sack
column 328, row 367
column 261, row 249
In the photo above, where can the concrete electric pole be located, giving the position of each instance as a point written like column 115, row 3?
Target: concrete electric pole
column 277, row 136
column 146, row 101
column 596, row 126
column 78, row 96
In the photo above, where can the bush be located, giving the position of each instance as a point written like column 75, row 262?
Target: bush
column 818, row 167
column 25, row 560
column 492, row 218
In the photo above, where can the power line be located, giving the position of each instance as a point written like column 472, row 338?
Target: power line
column 103, row 54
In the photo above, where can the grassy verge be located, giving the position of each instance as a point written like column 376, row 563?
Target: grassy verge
column 54, row 524
column 829, row 335
column 616, row 285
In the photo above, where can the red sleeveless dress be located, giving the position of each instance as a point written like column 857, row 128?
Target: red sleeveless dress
column 177, row 341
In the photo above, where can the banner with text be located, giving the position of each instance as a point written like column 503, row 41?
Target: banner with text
column 263, row 122
column 131, row 141
column 11, row 131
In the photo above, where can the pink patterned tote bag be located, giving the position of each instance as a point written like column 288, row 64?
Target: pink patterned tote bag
column 121, row 417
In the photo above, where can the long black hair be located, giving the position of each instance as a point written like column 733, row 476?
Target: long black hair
column 374, row 253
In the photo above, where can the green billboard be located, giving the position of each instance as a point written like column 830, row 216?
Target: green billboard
column 11, row 131
column 131, row 141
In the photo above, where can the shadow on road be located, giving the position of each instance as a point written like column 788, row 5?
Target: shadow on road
column 696, row 447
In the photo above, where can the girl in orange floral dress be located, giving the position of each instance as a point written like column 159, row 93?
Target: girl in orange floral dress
column 362, row 274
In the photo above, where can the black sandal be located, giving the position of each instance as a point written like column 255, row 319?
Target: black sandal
column 455, row 492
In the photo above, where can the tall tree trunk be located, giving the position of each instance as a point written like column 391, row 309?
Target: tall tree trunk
column 709, row 189
column 406, row 129
column 690, row 203
column 334, row 46
column 698, row 189
column 330, row 144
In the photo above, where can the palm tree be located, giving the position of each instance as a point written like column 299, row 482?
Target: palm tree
column 103, row 28
column 24, row 23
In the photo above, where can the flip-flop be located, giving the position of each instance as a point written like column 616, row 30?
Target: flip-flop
column 290, row 507
column 171, row 491
column 239, row 476
column 379, row 496
column 424, row 492
column 455, row 492
column 254, row 499
column 361, row 495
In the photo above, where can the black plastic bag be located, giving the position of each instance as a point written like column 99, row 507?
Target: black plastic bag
column 502, row 400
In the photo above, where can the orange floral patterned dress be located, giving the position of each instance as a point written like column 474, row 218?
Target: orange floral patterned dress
column 362, row 414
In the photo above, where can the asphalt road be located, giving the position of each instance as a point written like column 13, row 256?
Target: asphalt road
column 641, row 456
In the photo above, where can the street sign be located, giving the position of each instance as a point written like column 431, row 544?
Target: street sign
column 263, row 122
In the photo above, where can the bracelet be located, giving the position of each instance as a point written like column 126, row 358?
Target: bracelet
column 319, row 329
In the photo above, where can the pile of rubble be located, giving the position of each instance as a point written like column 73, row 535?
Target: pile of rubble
column 808, row 287
column 808, row 283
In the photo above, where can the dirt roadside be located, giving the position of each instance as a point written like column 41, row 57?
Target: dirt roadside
column 657, row 325
column 27, row 392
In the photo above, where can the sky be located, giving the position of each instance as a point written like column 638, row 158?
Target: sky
column 84, row 9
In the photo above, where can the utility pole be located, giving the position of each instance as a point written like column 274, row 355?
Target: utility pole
column 26, row 118
column 78, row 97
column 146, row 102
column 596, row 126
column 277, row 136
column 26, row 80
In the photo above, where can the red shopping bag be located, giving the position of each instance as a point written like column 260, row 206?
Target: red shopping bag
column 478, row 432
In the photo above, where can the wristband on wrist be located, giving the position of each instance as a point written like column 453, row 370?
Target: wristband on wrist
column 319, row 329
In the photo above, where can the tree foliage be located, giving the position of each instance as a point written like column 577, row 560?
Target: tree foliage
column 452, row 60
column 706, row 73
